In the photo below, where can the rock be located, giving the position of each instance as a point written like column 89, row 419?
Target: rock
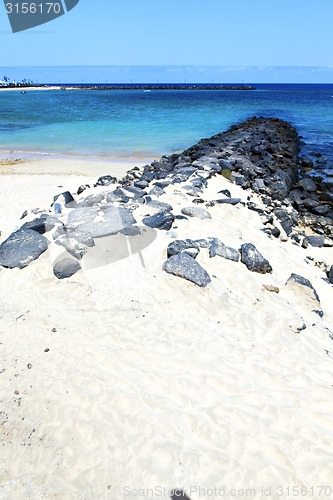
column 141, row 184
column 226, row 192
column 92, row 199
column 64, row 198
column 106, row 180
column 42, row 225
column 270, row 288
column 135, row 192
column 158, row 206
column 186, row 267
column 21, row 248
column 66, row 268
column 253, row 259
column 161, row 220
column 156, row 191
column 227, row 201
column 199, row 212
column 81, row 215
column 285, row 220
column 238, row 179
column 188, row 246
column 220, row 249
column 82, row 188
column 314, row 241
column 117, row 196
column 114, row 220
column 330, row 275
column 303, row 288
column 321, row 210
column 307, row 185
column 306, row 162
column 76, row 243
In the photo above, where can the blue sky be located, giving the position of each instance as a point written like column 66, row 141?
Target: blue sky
column 254, row 33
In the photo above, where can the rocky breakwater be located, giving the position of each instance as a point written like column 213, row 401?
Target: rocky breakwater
column 259, row 157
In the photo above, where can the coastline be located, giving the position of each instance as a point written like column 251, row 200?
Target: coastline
column 127, row 376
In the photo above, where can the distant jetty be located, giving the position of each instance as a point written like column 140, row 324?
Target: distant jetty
column 164, row 86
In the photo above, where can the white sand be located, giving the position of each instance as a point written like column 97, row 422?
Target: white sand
column 151, row 381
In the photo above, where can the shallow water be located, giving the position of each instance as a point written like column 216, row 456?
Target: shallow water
column 137, row 123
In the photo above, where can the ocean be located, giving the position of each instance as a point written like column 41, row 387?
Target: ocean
column 136, row 123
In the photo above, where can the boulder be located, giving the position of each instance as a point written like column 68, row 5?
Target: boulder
column 307, row 185
column 159, row 206
column 156, row 191
column 161, row 220
column 64, row 198
column 66, row 268
column 189, row 246
column 285, row 220
column 220, row 249
column 21, row 248
column 304, row 290
column 315, row 240
column 114, row 220
column 186, row 267
column 42, row 225
column 135, row 192
column 76, row 243
column 117, row 195
column 253, row 259
column 330, row 275
column 81, row 215
column 199, row 212
column 106, row 180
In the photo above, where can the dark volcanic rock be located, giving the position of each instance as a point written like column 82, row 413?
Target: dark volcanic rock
column 307, row 185
column 314, row 241
column 158, row 205
column 118, row 196
column 64, row 198
column 253, row 259
column 184, row 266
column 106, row 180
column 42, row 225
column 135, row 192
column 66, row 268
column 330, row 275
column 82, row 188
column 162, row 220
column 188, row 246
column 220, row 249
column 285, row 220
column 21, row 248
column 156, row 191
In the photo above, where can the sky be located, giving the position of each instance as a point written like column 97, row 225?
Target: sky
column 272, row 38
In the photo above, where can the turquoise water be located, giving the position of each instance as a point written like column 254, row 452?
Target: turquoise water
column 134, row 122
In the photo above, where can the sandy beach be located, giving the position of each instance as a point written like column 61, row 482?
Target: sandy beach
column 124, row 381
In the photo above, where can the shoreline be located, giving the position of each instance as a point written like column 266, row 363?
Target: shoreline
column 132, row 372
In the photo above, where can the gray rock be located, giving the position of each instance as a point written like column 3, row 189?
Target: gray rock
column 220, row 249
column 303, row 282
column 21, row 248
column 141, row 184
column 227, row 201
column 81, row 215
column 82, row 188
column 238, row 179
column 76, row 243
column 156, row 191
column 66, row 268
column 307, row 185
column 135, row 192
column 64, row 198
column 162, row 220
column 158, row 206
column 117, row 195
column 189, row 246
column 316, row 240
column 253, row 259
column 186, row 267
column 42, row 225
column 92, row 199
column 285, row 220
column 106, row 180
column 199, row 212
column 330, row 275
column 115, row 219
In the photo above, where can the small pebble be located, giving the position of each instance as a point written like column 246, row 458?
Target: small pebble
column 46, row 350
column 29, row 366
column 54, row 330
column 17, row 393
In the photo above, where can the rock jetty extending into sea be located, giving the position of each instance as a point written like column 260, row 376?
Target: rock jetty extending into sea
column 261, row 156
